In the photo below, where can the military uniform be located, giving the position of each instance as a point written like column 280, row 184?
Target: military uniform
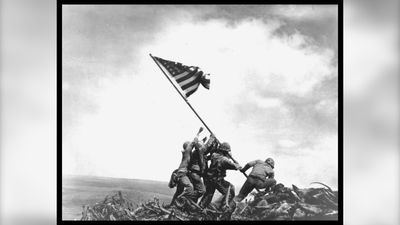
column 211, row 146
column 214, row 179
column 196, row 170
column 180, row 177
column 198, row 165
column 261, row 176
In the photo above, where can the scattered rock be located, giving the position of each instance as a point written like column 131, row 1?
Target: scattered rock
column 280, row 203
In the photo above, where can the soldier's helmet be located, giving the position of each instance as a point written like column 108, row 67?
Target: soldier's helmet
column 225, row 147
column 185, row 144
column 270, row 162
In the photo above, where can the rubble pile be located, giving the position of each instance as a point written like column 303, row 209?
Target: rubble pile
column 283, row 203
column 115, row 207
column 278, row 203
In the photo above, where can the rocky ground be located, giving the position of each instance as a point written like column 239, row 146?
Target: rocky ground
column 279, row 203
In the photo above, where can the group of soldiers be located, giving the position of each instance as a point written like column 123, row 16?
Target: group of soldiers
column 203, row 170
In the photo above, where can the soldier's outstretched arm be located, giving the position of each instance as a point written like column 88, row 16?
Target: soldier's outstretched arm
column 210, row 144
column 201, row 151
column 199, row 144
column 271, row 175
column 189, row 148
column 248, row 165
column 229, row 165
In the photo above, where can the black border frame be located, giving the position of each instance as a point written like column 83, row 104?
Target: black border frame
column 281, row 2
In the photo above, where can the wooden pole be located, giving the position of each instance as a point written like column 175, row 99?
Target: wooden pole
column 183, row 97
column 187, row 102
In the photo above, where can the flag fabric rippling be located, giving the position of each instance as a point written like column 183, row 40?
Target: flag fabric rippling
column 188, row 77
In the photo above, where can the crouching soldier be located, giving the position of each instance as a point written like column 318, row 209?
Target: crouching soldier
column 179, row 177
column 261, row 176
column 215, row 174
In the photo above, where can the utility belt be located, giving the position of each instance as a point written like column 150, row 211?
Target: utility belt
column 215, row 179
column 181, row 172
column 257, row 178
column 195, row 168
column 214, row 175
column 195, row 171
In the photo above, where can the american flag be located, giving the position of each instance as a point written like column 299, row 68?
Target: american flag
column 188, row 77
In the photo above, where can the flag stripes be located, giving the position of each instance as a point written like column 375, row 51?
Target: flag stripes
column 188, row 77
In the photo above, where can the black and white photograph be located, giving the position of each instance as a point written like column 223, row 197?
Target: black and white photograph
column 200, row 112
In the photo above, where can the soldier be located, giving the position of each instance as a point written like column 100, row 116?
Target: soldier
column 198, row 164
column 211, row 146
column 179, row 177
column 214, row 177
column 261, row 176
column 196, row 169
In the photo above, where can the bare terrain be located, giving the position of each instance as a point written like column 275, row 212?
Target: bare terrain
column 87, row 190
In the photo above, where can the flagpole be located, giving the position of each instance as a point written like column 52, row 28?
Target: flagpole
column 187, row 102
column 184, row 98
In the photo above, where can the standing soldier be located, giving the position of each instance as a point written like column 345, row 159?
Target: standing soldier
column 198, row 164
column 214, row 177
column 180, row 177
column 196, row 169
column 261, row 176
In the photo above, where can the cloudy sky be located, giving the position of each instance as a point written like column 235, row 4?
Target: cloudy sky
column 273, row 88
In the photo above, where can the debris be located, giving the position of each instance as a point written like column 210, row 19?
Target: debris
column 279, row 203
column 112, row 208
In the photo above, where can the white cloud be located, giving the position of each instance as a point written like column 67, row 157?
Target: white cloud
column 306, row 12
column 264, row 102
column 287, row 143
column 141, row 122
